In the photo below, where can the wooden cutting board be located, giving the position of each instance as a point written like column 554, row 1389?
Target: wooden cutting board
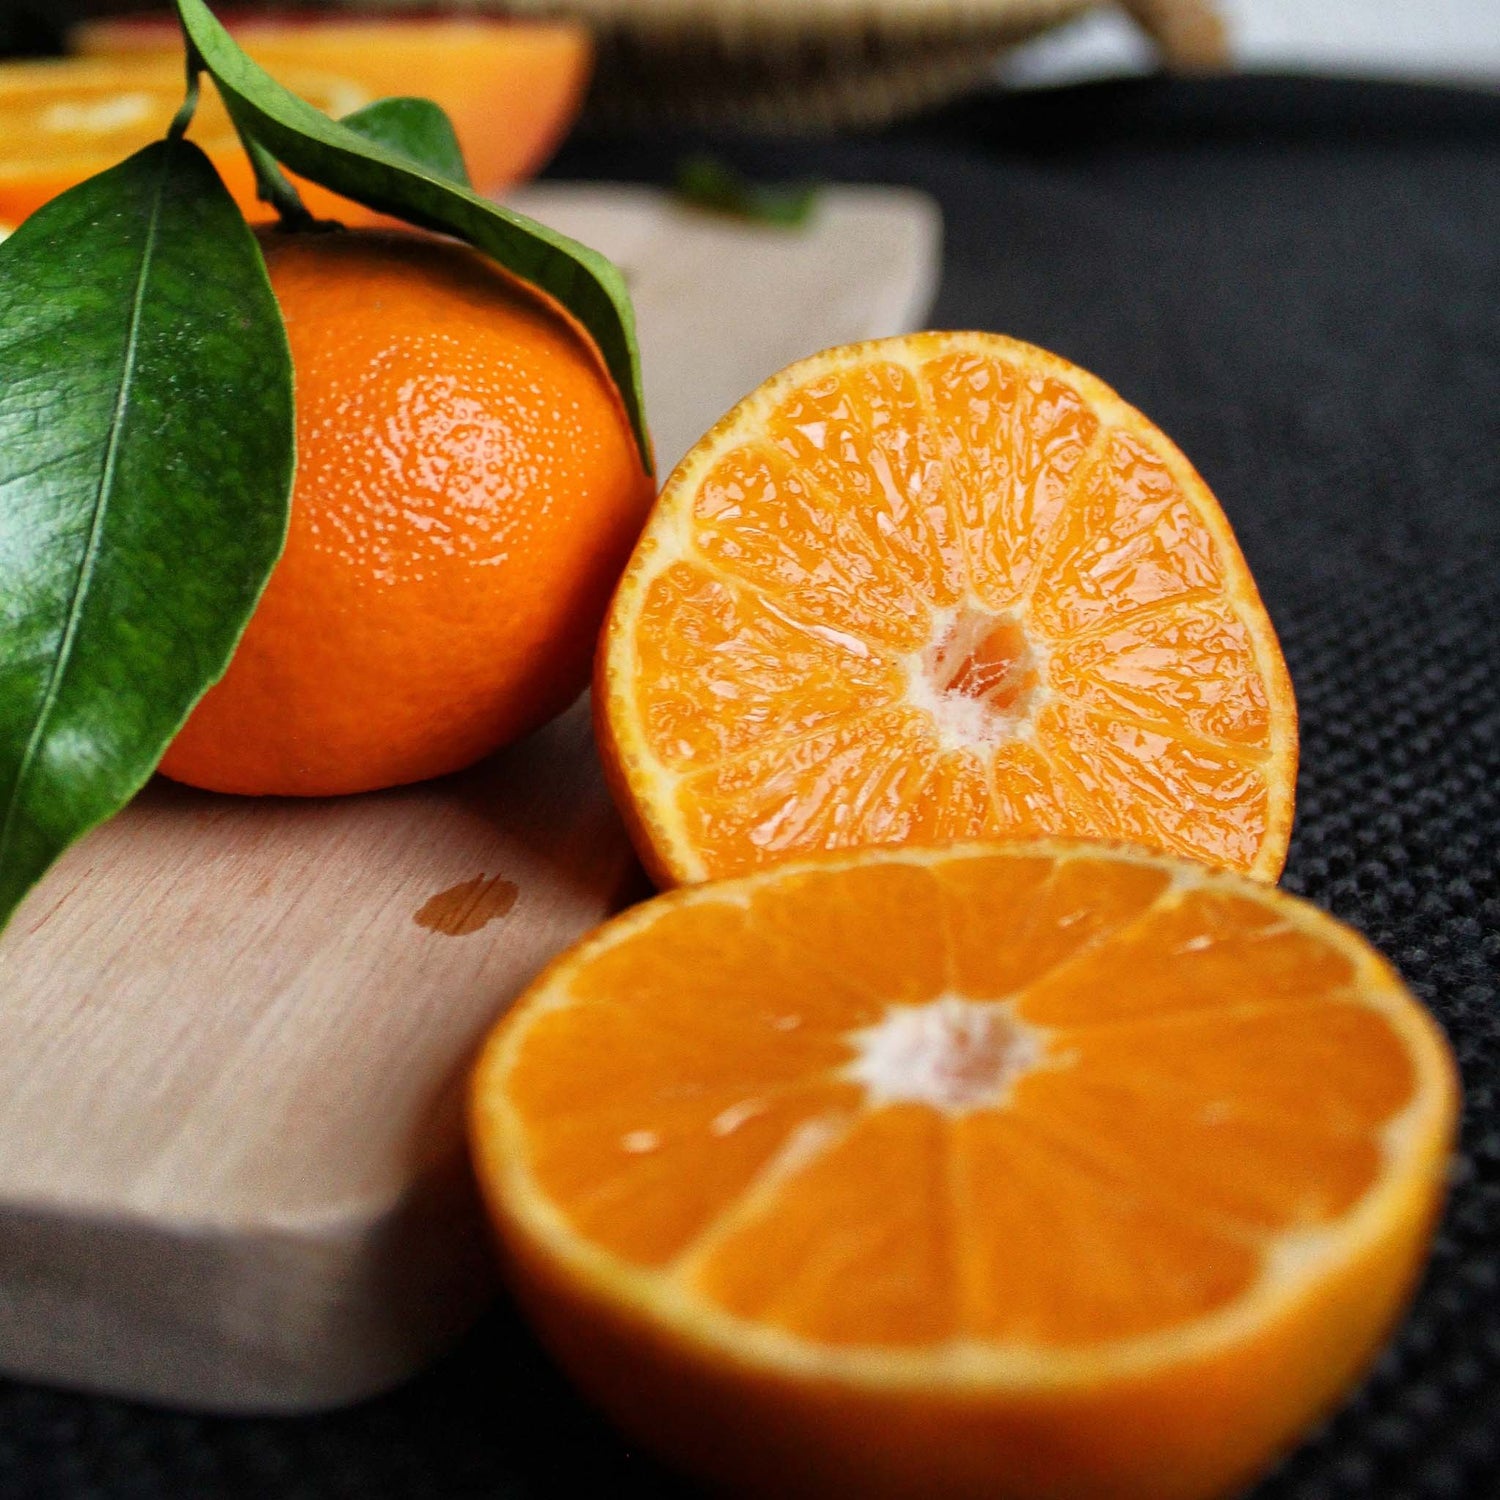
column 235, row 1031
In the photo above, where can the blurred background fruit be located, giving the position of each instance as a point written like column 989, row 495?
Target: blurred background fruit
column 511, row 89
column 768, row 64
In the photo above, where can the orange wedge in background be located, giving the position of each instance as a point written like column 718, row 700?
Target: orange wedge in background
column 511, row 89
column 64, row 120
column 1000, row 1171
column 944, row 586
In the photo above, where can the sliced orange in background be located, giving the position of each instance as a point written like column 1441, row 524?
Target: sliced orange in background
column 937, row 587
column 62, row 120
column 992, row 1171
column 511, row 90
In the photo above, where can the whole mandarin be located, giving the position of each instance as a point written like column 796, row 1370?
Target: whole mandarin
column 467, row 492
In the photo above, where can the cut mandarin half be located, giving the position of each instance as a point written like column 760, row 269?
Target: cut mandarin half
column 1001, row 1171
column 64, row 119
column 939, row 587
column 510, row 87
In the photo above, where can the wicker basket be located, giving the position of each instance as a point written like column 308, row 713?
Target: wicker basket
column 793, row 65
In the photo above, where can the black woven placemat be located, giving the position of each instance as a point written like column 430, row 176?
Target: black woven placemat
column 1300, row 281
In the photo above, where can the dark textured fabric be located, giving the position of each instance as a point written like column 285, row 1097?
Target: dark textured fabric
column 1301, row 282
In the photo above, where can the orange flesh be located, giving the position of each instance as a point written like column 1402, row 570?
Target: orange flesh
column 1141, row 1091
column 510, row 89
column 63, row 120
column 947, row 595
column 88, row 114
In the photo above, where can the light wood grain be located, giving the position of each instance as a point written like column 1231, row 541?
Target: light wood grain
column 230, row 1064
column 234, row 1031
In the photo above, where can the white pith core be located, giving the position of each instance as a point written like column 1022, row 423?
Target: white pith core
column 950, row 1053
column 966, row 720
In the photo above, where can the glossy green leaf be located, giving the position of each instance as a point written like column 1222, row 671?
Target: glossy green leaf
column 418, row 129
column 329, row 153
column 146, row 456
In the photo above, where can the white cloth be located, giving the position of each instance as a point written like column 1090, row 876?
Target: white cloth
column 1455, row 41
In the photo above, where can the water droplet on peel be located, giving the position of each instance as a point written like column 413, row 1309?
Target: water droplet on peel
column 640, row 1142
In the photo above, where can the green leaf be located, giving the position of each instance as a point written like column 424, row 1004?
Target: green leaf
column 707, row 182
column 329, row 153
column 418, row 129
column 146, row 456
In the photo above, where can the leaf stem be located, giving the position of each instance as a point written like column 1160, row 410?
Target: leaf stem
column 368, row 169
column 273, row 186
column 189, row 107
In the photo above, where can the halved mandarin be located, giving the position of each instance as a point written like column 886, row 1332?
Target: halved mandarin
column 1001, row 1171
column 64, row 119
column 511, row 87
column 940, row 587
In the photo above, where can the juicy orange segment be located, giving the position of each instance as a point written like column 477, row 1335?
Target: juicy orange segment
column 942, row 586
column 997, row 1171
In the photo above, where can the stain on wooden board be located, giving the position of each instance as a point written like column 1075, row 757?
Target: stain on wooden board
column 467, row 907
